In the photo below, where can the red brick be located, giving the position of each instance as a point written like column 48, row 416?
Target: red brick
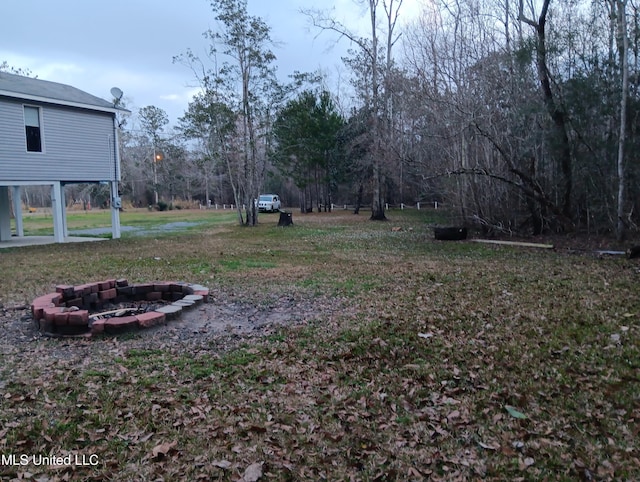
column 61, row 318
column 95, row 287
column 120, row 324
column 154, row 296
column 122, row 282
column 97, row 326
column 46, row 299
column 151, row 318
column 125, row 291
column 65, row 290
column 79, row 318
column 106, row 295
column 178, row 287
column 83, row 290
column 89, row 299
column 112, row 283
column 75, row 302
column 162, row 287
column 143, row 288
column 38, row 312
column 50, row 313
column 39, row 304
column 104, row 286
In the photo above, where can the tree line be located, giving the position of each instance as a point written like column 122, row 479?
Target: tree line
column 520, row 115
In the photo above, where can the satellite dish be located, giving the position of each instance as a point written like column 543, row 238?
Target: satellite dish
column 117, row 94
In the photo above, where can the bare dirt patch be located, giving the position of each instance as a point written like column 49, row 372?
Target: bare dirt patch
column 224, row 320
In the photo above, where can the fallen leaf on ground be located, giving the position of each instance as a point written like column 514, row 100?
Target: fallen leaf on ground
column 161, row 450
column 487, row 446
column 514, row 413
column 223, row 464
column 253, row 472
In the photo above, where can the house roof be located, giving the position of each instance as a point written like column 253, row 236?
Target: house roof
column 27, row 88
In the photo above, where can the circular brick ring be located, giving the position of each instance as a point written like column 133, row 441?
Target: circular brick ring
column 71, row 310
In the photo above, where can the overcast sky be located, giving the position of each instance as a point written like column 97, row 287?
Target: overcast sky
column 96, row 45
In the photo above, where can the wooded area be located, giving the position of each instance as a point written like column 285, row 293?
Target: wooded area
column 520, row 116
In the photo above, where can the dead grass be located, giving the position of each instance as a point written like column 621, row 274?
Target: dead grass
column 428, row 360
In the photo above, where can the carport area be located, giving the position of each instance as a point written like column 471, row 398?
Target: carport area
column 20, row 241
column 11, row 203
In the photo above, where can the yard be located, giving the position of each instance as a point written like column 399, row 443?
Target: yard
column 396, row 357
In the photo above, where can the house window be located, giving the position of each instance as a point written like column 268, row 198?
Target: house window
column 32, row 128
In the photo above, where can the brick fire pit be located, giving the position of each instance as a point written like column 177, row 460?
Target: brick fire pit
column 113, row 306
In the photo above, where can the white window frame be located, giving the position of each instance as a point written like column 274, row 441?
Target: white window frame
column 40, row 126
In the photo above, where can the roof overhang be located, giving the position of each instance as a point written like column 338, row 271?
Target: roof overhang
column 49, row 100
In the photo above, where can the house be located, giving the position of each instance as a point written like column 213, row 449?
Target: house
column 53, row 134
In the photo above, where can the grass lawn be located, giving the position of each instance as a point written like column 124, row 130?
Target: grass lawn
column 41, row 223
column 425, row 360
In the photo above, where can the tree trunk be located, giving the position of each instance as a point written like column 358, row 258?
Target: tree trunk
column 377, row 207
column 234, row 188
column 623, row 45
column 359, row 199
column 450, row 233
column 286, row 219
column 557, row 115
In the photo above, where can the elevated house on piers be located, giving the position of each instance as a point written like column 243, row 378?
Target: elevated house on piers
column 53, row 134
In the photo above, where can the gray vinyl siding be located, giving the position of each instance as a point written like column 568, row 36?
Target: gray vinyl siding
column 77, row 144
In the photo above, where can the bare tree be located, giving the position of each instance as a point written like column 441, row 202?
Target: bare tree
column 247, row 40
column 153, row 121
column 556, row 112
column 247, row 78
column 377, row 83
column 619, row 12
column 210, row 122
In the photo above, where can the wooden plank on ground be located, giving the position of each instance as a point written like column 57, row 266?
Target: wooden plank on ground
column 514, row 243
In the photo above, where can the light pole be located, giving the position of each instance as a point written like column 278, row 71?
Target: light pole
column 157, row 157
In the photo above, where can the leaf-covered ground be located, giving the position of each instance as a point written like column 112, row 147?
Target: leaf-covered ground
column 414, row 359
